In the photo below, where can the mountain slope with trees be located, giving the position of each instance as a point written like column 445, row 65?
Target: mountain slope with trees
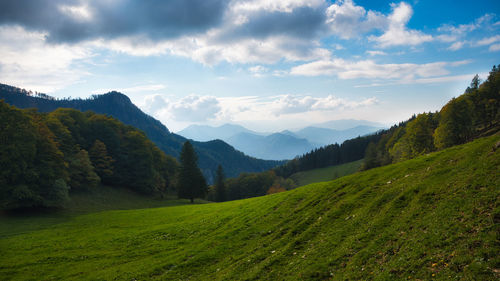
column 45, row 156
column 211, row 154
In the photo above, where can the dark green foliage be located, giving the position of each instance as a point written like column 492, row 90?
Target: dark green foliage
column 32, row 170
column 81, row 172
column 249, row 185
column 102, row 162
column 191, row 183
column 43, row 155
column 220, row 188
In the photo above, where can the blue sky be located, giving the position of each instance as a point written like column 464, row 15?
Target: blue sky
column 268, row 65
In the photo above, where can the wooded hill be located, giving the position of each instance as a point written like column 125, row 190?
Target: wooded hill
column 45, row 156
column 118, row 105
column 474, row 113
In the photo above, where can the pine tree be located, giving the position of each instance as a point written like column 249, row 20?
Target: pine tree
column 220, row 188
column 191, row 183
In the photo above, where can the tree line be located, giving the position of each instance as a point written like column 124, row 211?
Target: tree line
column 473, row 114
column 46, row 156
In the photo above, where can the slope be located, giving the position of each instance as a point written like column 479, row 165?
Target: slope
column 326, row 174
column 435, row 216
column 118, row 105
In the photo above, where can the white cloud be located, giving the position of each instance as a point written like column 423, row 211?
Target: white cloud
column 28, row 61
column 456, row 46
column 494, row 48
column 376, row 53
column 258, row 70
column 488, row 41
column 369, row 69
column 239, row 7
column 397, row 33
column 192, row 108
column 347, row 20
column 293, row 104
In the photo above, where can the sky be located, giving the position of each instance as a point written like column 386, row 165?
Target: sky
column 267, row 65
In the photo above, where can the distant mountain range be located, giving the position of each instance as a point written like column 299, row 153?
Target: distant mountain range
column 285, row 144
column 211, row 153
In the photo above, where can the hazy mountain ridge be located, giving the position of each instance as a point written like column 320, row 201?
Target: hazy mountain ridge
column 118, row 105
column 286, row 144
column 274, row 146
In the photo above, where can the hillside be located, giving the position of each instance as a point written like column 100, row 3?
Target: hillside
column 326, row 174
column 118, row 105
column 432, row 217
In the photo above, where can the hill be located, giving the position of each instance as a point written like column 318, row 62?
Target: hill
column 119, row 106
column 326, row 174
column 432, row 217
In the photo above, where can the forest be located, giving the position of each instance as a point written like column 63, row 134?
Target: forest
column 45, row 157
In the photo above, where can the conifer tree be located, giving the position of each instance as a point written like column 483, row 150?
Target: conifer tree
column 220, row 188
column 191, row 183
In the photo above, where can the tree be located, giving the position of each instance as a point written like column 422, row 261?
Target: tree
column 220, row 188
column 81, row 171
column 191, row 183
column 102, row 162
column 455, row 124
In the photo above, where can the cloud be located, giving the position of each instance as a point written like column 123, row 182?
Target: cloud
column 192, row 108
column 79, row 20
column 346, row 20
column 456, row 46
column 488, row 41
column 292, row 104
column 376, row 53
column 258, row 70
column 397, row 33
column 494, row 48
column 28, row 61
column 369, row 69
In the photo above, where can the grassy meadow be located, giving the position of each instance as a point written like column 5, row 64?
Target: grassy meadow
column 326, row 174
column 433, row 217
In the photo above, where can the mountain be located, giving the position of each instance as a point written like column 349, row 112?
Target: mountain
column 435, row 217
column 278, row 146
column 118, row 105
column 344, row 124
column 274, row 146
column 207, row 133
column 325, row 136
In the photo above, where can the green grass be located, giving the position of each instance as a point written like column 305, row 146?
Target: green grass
column 433, row 217
column 100, row 199
column 326, row 174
